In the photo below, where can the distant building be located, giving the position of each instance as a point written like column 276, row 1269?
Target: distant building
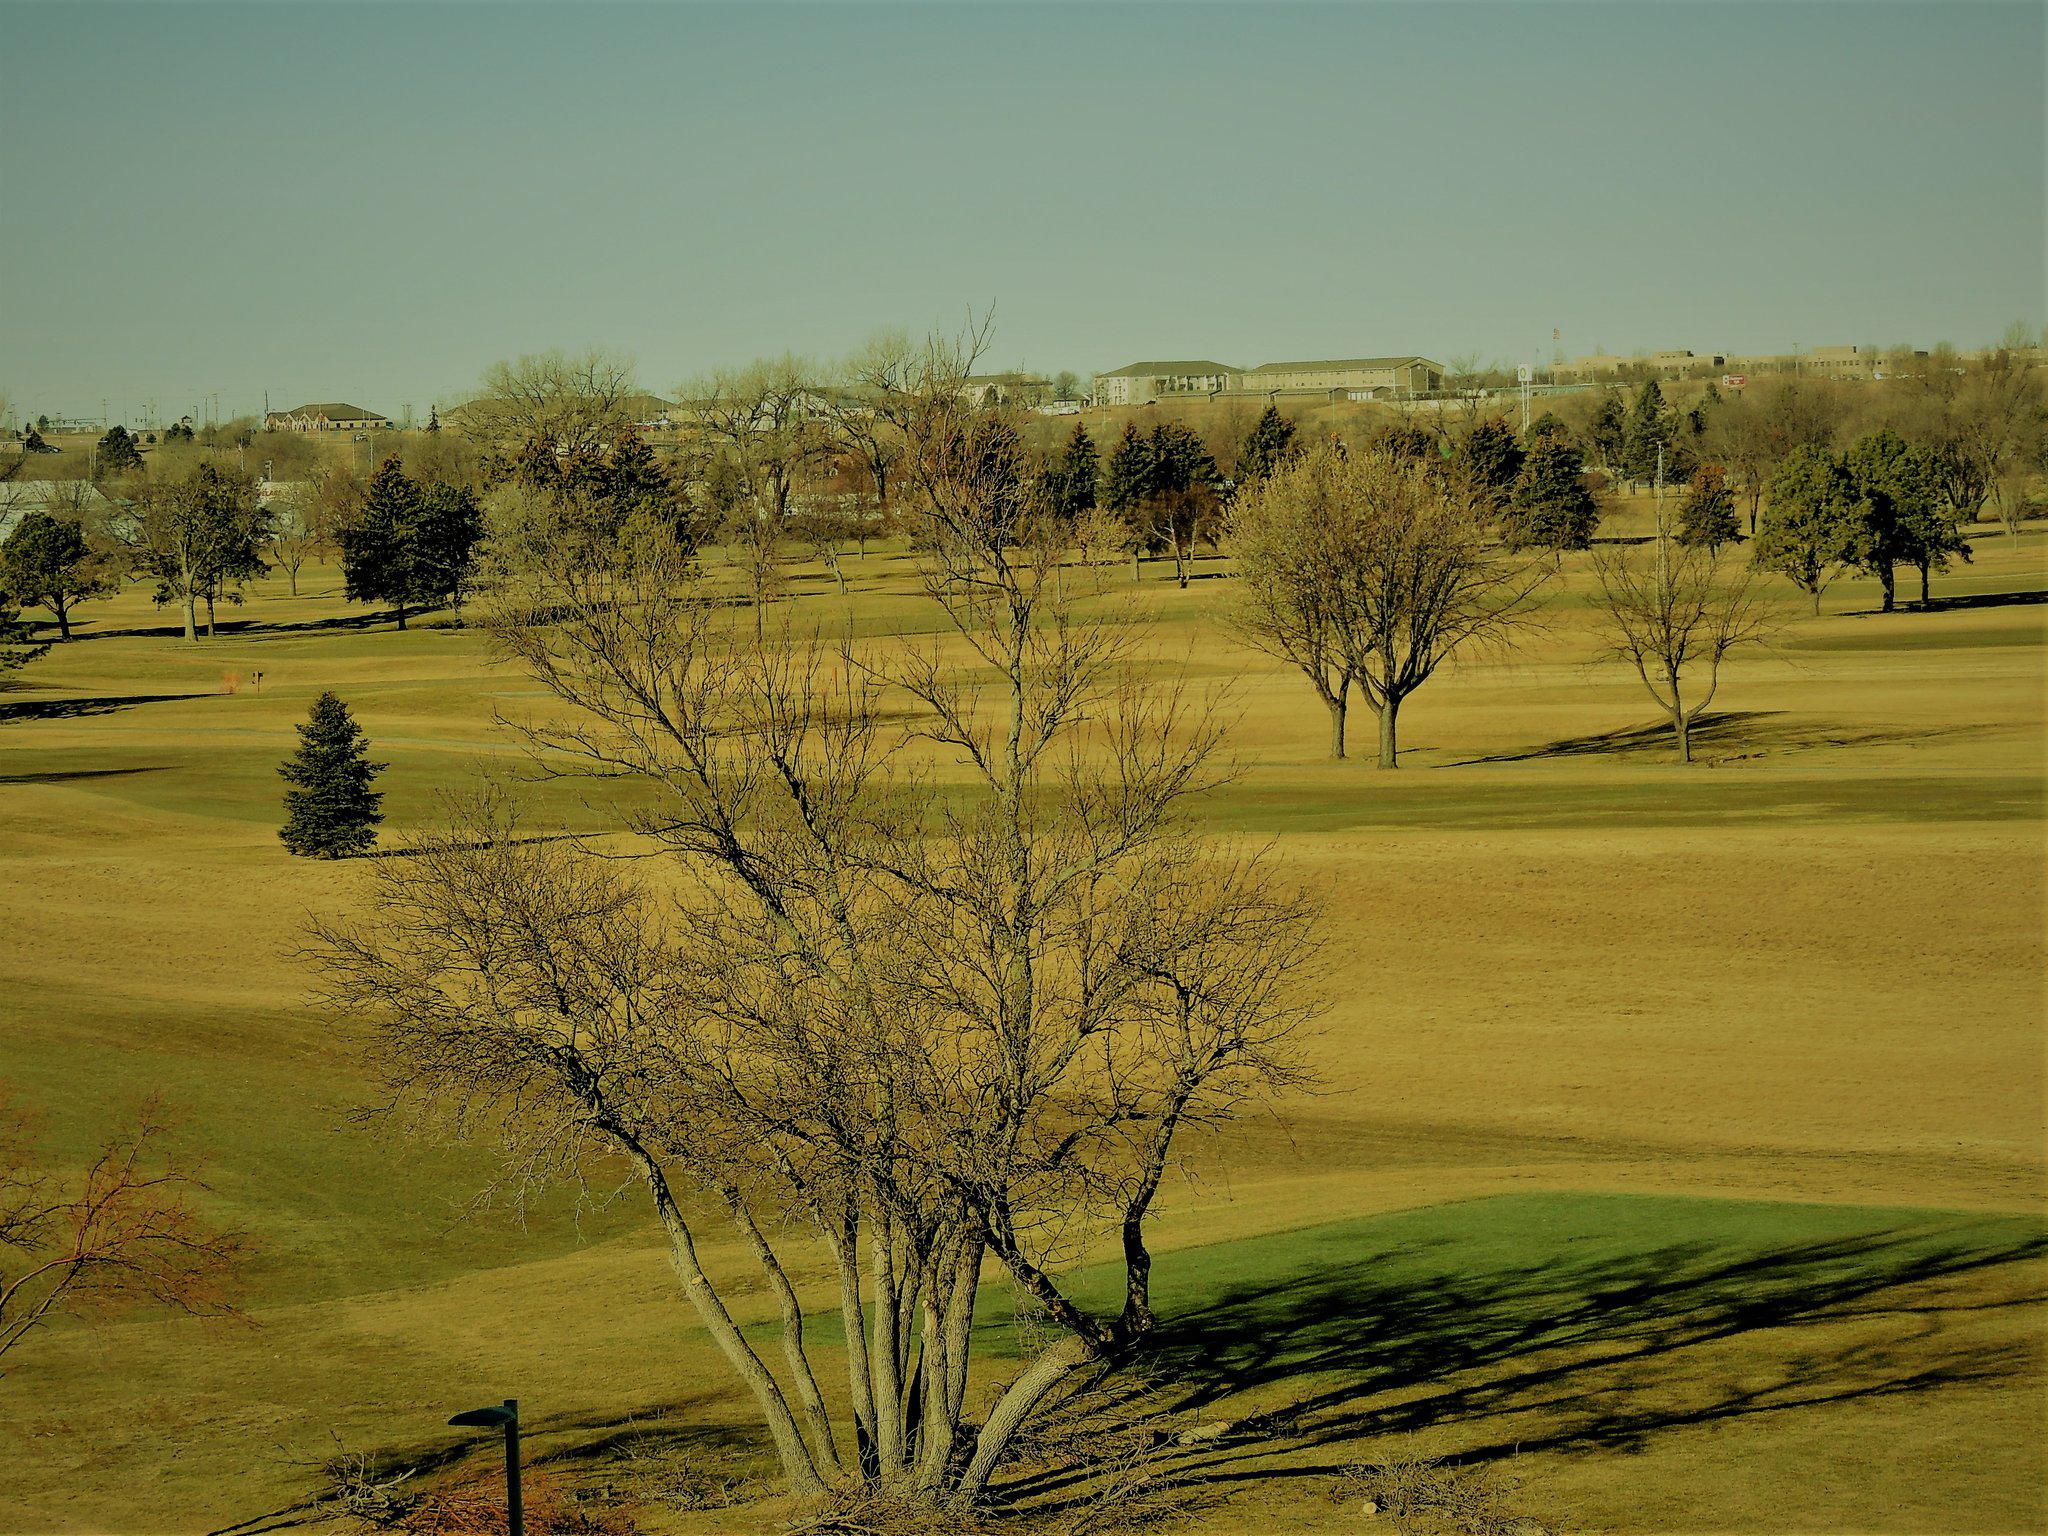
column 1358, row 377
column 1672, row 363
column 335, row 417
column 1139, row 383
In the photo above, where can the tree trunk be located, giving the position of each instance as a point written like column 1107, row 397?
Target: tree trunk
column 401, row 615
column 817, row 1421
column 1013, row 1408
column 209, row 615
column 191, row 618
column 1887, row 579
column 1925, row 565
column 885, row 1353
column 797, row 1466
column 63, row 611
column 1389, row 748
column 854, row 1325
column 1339, row 707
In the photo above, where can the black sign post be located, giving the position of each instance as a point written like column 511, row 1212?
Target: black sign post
column 506, row 1418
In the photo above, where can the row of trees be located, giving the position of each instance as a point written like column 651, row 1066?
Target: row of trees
column 200, row 536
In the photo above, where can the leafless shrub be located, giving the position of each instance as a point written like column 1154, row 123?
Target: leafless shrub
column 1424, row 1496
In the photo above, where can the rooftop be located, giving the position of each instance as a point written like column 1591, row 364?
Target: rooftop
column 1159, row 370
column 335, row 411
column 1340, row 362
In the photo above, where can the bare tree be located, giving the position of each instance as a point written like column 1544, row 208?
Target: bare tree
column 1372, row 569
column 309, row 515
column 769, row 419
column 571, row 405
column 1675, row 614
column 876, row 369
column 1292, row 536
column 125, row 1232
column 928, row 1030
column 827, row 524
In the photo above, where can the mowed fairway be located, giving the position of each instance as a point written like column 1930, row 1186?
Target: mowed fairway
column 1679, row 1127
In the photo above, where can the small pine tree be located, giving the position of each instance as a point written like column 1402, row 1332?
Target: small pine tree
column 118, row 453
column 1127, row 477
column 1490, row 458
column 1266, row 447
column 433, row 418
column 1649, row 429
column 1706, row 517
column 1080, row 467
column 1607, row 433
column 330, row 811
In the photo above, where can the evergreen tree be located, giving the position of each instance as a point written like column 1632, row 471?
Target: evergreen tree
column 1080, row 467
column 1808, row 527
column 118, row 453
column 33, row 443
column 411, row 545
column 1551, row 507
column 1706, row 517
column 178, row 432
column 330, row 811
column 1181, row 506
column 47, row 561
column 633, row 481
column 377, row 559
column 433, row 418
column 1490, row 460
column 1649, row 429
column 1127, row 477
column 450, row 525
column 1608, row 432
column 1268, row 445
column 1405, row 440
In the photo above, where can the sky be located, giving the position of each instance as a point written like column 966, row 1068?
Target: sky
column 371, row 203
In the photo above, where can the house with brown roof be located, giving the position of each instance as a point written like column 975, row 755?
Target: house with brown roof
column 334, row 416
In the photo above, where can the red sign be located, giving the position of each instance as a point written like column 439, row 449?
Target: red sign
column 1734, row 380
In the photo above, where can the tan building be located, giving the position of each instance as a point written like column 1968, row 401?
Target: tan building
column 1672, row 363
column 1356, row 376
column 1139, row 383
column 334, row 417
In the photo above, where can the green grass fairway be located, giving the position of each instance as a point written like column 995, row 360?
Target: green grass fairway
column 1677, row 1135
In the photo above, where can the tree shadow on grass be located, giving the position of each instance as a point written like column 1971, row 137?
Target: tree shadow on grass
column 1603, row 1355
column 75, row 709
column 72, row 775
column 258, row 629
column 1740, row 732
column 1957, row 604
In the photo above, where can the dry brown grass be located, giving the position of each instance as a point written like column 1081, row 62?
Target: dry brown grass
column 1809, row 967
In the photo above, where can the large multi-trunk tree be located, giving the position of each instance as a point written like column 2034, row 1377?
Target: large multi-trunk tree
column 926, row 973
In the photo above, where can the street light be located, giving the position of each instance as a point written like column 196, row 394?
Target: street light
column 507, row 1419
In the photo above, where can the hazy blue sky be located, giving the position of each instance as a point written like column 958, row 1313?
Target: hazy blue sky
column 371, row 203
